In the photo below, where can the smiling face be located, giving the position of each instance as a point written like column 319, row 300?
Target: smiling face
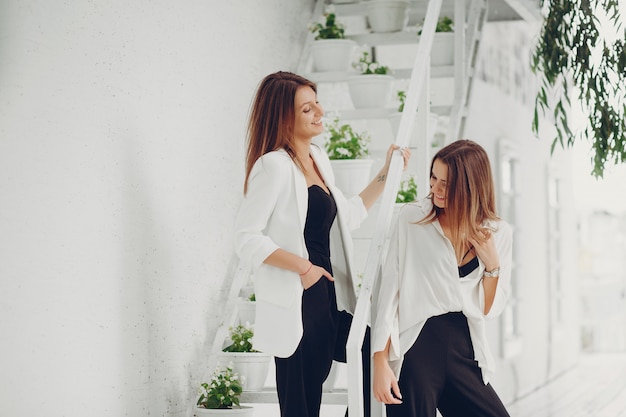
column 439, row 183
column 308, row 114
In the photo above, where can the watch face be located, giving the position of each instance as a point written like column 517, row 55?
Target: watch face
column 491, row 274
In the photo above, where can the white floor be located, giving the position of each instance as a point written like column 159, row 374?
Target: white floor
column 596, row 387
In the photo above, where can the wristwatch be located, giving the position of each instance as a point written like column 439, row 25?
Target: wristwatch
column 494, row 273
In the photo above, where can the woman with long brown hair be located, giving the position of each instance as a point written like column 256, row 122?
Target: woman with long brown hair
column 448, row 269
column 292, row 219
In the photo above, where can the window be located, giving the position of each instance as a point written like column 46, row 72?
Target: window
column 555, row 244
column 508, row 197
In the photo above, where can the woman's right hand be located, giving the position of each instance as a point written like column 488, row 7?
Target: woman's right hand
column 385, row 387
column 314, row 274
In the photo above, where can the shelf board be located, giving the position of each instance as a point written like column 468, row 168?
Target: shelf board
column 393, row 38
column 268, row 395
column 382, row 113
column 357, row 114
column 446, row 71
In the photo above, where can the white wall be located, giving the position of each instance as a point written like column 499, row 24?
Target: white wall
column 502, row 109
column 122, row 131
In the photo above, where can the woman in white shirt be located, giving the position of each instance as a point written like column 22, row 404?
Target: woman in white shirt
column 448, row 269
column 291, row 220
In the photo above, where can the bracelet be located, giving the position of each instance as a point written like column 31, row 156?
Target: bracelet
column 307, row 271
column 494, row 273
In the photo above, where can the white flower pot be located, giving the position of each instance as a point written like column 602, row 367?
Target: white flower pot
column 369, row 91
column 442, row 52
column 387, row 15
column 352, row 175
column 252, row 366
column 332, row 54
column 244, row 411
column 247, row 311
column 394, row 120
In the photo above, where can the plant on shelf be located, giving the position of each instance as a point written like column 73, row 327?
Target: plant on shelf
column 222, row 392
column 442, row 50
column 247, row 309
column 348, row 152
column 246, row 361
column 342, row 142
column 241, row 337
column 387, row 15
column 365, row 65
column 444, row 24
column 371, row 88
column 401, row 95
column 330, row 28
column 329, row 49
column 408, row 190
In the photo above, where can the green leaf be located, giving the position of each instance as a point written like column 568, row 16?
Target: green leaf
column 563, row 57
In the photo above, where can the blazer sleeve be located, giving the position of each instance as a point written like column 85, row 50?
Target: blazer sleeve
column 267, row 178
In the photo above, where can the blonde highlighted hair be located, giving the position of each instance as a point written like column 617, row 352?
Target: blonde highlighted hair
column 470, row 193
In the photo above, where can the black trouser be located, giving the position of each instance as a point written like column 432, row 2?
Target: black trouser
column 299, row 378
column 439, row 371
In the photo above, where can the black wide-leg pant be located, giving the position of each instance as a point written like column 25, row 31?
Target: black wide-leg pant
column 299, row 378
column 439, row 372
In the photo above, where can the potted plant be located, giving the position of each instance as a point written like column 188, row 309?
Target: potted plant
column 387, row 15
column 330, row 50
column 247, row 362
column 348, row 152
column 442, row 52
column 372, row 87
column 394, row 119
column 407, row 191
column 220, row 396
column 247, row 309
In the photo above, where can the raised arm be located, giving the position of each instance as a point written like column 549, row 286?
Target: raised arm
column 375, row 188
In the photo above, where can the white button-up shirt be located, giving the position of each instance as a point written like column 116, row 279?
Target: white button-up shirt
column 420, row 280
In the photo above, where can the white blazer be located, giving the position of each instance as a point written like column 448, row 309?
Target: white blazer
column 272, row 215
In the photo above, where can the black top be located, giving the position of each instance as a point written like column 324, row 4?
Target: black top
column 320, row 216
column 468, row 268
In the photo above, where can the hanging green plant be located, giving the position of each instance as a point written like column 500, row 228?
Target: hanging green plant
column 573, row 55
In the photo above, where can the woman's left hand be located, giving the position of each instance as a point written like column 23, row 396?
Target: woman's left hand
column 406, row 155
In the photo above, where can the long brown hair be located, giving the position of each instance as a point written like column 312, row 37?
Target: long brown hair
column 470, row 192
column 272, row 117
